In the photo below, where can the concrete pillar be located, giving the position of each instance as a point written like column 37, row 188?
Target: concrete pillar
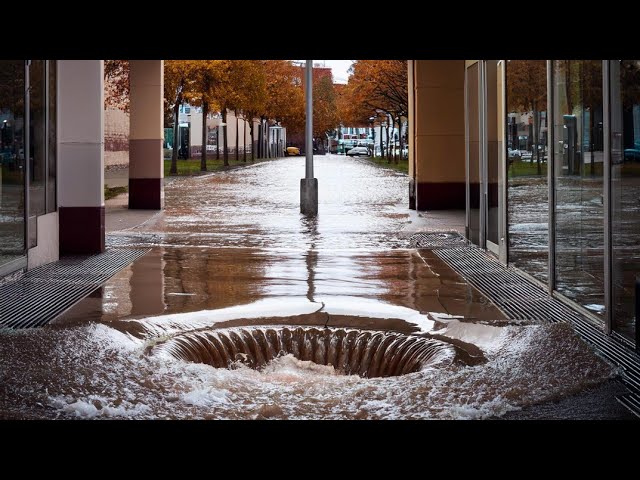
column 438, row 134
column 146, row 170
column 81, row 156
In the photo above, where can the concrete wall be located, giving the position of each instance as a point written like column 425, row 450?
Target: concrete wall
column 116, row 137
column 438, row 147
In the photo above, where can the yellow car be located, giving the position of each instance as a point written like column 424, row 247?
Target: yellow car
column 289, row 151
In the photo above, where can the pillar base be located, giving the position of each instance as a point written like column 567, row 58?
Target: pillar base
column 146, row 193
column 412, row 194
column 309, row 196
column 81, row 230
column 441, row 196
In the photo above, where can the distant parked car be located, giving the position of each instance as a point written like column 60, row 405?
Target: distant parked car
column 632, row 154
column 358, row 151
column 289, row 151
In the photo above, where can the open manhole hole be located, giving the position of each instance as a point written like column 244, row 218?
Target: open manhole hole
column 367, row 353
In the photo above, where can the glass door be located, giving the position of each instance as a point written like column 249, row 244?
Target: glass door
column 12, row 164
column 624, row 78
column 579, row 209
column 483, row 98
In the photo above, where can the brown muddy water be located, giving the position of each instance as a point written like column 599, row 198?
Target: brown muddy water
column 237, row 278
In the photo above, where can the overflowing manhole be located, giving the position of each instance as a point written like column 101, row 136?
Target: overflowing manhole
column 367, row 353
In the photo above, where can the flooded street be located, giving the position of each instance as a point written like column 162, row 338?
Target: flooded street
column 235, row 274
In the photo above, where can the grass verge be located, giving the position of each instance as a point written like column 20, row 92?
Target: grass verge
column 192, row 166
column 112, row 192
column 401, row 166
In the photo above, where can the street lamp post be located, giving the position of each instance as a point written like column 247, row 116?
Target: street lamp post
column 309, row 184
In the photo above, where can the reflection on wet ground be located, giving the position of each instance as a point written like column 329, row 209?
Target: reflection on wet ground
column 232, row 250
column 528, row 216
column 579, row 234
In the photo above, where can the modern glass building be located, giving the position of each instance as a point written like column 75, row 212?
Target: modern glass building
column 546, row 155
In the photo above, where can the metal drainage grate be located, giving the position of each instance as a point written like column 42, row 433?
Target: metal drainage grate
column 631, row 401
column 47, row 291
column 437, row 240
column 521, row 299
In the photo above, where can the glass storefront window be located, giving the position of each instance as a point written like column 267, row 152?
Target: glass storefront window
column 39, row 156
column 527, row 160
column 625, row 192
column 12, row 228
column 579, row 202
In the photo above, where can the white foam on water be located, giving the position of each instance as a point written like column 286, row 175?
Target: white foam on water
column 95, row 407
column 97, row 372
column 487, row 337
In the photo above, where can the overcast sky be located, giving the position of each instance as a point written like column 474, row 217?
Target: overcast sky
column 339, row 69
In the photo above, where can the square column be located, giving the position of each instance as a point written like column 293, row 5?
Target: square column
column 146, row 162
column 81, row 156
column 438, row 141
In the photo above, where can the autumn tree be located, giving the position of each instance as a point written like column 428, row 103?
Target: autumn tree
column 203, row 91
column 284, row 95
column 116, row 81
column 325, row 115
column 351, row 111
column 379, row 86
column 252, row 96
column 176, row 81
column 225, row 92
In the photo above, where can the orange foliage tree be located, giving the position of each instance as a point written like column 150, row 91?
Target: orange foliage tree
column 252, row 96
column 284, row 96
column 116, row 77
column 376, row 86
column 177, row 75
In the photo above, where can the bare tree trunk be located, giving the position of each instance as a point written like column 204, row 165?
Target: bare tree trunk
column 253, row 144
column 244, row 140
column 400, row 136
column 237, row 136
column 218, row 143
column 224, row 137
column 259, row 145
column 176, row 140
column 203, row 153
column 388, row 144
column 381, row 144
